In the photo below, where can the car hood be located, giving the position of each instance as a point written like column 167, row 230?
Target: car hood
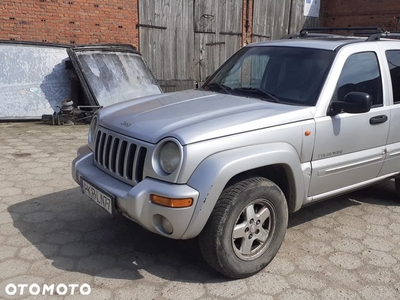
column 195, row 115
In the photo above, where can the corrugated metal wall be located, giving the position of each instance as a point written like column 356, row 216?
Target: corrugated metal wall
column 167, row 41
column 273, row 19
column 186, row 40
column 217, row 33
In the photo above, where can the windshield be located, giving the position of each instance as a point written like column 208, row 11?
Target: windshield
column 117, row 76
column 279, row 74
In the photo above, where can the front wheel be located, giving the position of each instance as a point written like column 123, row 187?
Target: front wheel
column 246, row 228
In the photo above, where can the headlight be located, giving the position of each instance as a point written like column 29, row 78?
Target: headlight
column 170, row 157
column 92, row 131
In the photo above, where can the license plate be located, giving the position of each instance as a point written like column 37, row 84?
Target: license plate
column 100, row 198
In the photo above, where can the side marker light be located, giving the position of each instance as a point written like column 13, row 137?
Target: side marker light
column 171, row 202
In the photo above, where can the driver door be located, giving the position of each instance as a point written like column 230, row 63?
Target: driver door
column 350, row 148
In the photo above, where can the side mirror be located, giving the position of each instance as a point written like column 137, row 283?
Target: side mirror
column 354, row 103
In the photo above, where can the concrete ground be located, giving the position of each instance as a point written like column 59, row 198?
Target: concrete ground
column 344, row 248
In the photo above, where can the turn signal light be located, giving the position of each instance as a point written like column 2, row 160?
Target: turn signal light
column 171, row 202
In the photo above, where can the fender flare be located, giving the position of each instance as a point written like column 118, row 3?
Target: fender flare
column 212, row 175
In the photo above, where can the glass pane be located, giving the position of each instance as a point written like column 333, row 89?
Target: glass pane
column 115, row 77
column 293, row 75
column 393, row 58
column 360, row 74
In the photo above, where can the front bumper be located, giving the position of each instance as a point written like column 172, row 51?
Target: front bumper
column 134, row 202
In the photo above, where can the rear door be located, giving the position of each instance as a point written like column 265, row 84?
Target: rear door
column 112, row 73
column 392, row 57
column 350, row 148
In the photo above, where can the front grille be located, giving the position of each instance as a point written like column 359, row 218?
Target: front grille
column 120, row 157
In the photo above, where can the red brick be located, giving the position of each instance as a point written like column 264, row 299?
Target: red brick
column 57, row 29
column 377, row 13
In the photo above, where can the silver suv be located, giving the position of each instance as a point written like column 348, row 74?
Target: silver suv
column 280, row 125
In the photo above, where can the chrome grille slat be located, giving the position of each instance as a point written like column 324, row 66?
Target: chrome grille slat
column 133, row 172
column 96, row 153
column 131, row 161
column 113, row 154
column 119, row 156
column 106, row 151
column 126, row 158
column 140, row 164
column 101, row 148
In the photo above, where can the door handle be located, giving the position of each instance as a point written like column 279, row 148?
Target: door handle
column 378, row 119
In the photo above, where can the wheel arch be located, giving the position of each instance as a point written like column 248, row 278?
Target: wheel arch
column 280, row 174
column 224, row 168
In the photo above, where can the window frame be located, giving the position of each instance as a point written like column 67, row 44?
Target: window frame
column 335, row 96
column 391, row 77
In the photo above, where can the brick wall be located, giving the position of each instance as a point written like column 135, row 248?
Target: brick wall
column 69, row 21
column 380, row 13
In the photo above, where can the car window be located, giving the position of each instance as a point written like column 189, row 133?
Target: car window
column 253, row 70
column 360, row 73
column 393, row 59
column 290, row 75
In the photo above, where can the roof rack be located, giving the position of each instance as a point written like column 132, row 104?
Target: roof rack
column 378, row 36
column 312, row 35
column 322, row 32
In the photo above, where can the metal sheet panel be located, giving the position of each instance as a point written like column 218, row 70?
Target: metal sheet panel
column 212, row 48
column 274, row 19
column 33, row 80
column 271, row 19
column 297, row 19
column 166, row 40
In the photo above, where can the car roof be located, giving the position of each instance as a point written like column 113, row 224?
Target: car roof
column 325, row 43
column 326, row 38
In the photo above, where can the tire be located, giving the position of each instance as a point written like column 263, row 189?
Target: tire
column 246, row 228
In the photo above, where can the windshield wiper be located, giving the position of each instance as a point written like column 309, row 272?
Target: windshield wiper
column 270, row 97
column 221, row 86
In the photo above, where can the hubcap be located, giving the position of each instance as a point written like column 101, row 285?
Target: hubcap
column 253, row 230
